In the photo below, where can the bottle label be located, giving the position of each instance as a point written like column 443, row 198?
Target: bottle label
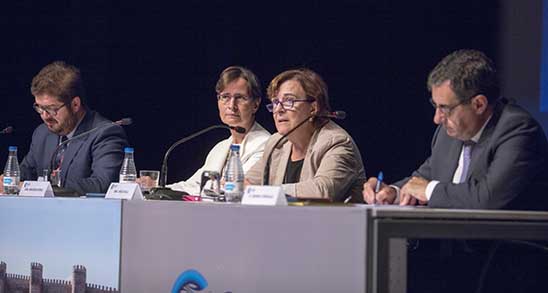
column 11, row 181
column 234, row 187
column 234, row 191
column 128, row 178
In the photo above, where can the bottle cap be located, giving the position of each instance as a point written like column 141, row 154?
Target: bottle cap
column 12, row 148
column 128, row 150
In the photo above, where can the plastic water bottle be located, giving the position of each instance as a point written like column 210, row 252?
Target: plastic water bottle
column 128, row 172
column 11, row 172
column 234, row 176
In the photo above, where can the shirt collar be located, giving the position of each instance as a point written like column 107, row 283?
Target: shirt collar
column 476, row 137
column 71, row 134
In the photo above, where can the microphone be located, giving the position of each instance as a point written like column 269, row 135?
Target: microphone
column 121, row 122
column 124, row 121
column 334, row 114
column 7, row 130
column 163, row 170
column 238, row 129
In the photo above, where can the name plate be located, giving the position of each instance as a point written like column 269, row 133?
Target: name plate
column 264, row 195
column 36, row 189
column 124, row 191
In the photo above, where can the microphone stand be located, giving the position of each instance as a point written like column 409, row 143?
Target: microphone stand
column 162, row 192
column 58, row 190
column 163, row 171
column 335, row 115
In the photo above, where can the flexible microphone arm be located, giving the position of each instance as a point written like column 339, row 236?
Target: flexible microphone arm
column 163, row 171
column 121, row 122
column 335, row 115
column 266, row 172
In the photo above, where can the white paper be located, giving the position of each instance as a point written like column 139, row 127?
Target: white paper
column 264, row 195
column 124, row 191
column 36, row 189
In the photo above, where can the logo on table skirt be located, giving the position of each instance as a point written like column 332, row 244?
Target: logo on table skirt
column 189, row 281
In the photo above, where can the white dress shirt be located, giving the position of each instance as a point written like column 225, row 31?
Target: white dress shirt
column 458, row 172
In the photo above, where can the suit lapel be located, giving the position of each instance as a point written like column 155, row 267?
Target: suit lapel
column 248, row 137
column 477, row 152
column 219, row 161
column 306, row 171
column 277, row 178
column 75, row 145
column 453, row 156
column 481, row 147
column 52, row 141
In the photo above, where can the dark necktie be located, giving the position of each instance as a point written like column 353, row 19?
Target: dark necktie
column 466, row 155
column 60, row 154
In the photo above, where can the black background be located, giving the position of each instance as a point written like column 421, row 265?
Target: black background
column 158, row 63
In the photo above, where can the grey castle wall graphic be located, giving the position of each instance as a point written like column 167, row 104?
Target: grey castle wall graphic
column 14, row 283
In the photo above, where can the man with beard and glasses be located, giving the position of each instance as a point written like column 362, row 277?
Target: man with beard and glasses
column 86, row 164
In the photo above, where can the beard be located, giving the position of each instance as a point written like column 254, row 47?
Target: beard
column 62, row 126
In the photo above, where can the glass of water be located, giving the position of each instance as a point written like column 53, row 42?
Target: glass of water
column 148, row 179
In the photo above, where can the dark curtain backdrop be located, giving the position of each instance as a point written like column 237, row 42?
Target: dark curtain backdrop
column 158, row 63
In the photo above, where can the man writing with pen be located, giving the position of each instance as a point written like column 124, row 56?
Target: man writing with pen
column 487, row 152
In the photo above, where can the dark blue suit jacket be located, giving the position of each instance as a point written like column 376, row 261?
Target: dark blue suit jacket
column 508, row 168
column 90, row 163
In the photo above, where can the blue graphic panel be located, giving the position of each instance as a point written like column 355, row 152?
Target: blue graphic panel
column 64, row 242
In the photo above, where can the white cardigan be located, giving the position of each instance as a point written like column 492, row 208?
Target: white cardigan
column 251, row 150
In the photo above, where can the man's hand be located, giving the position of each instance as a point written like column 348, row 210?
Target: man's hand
column 414, row 190
column 386, row 194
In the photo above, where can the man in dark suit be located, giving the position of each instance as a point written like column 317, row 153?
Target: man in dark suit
column 86, row 164
column 487, row 152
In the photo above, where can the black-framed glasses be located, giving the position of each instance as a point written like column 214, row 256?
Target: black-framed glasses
column 50, row 110
column 238, row 98
column 447, row 110
column 288, row 102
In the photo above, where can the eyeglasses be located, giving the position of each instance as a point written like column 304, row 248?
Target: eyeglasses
column 287, row 102
column 50, row 110
column 446, row 110
column 238, row 99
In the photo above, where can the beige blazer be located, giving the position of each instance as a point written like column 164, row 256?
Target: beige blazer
column 332, row 167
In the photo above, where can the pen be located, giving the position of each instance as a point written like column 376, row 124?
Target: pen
column 379, row 182
column 378, row 186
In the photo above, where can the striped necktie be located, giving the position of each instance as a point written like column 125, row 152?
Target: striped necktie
column 60, row 154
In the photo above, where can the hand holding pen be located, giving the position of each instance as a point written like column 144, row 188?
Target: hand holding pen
column 376, row 192
column 380, row 177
